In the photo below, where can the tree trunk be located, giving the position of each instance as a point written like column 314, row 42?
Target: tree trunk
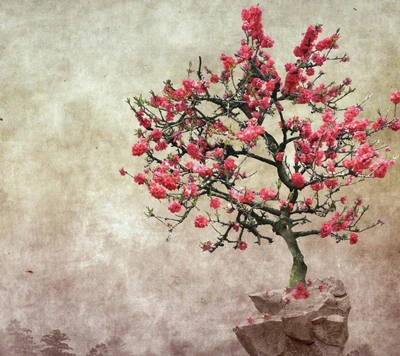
column 299, row 268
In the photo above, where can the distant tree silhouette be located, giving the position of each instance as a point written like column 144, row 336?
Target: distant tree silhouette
column 116, row 347
column 19, row 340
column 56, row 344
column 99, row 350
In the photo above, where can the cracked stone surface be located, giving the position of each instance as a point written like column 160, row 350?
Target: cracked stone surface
column 316, row 326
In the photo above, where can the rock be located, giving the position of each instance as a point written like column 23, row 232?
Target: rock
column 335, row 286
column 271, row 304
column 331, row 329
column 316, row 326
column 255, row 338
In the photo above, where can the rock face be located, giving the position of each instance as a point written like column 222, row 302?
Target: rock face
column 316, row 326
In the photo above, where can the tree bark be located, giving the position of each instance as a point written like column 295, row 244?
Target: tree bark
column 299, row 268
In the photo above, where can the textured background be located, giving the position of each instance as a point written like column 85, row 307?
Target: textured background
column 100, row 267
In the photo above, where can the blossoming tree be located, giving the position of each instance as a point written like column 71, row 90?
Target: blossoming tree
column 198, row 138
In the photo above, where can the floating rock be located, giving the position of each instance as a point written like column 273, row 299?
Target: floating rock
column 305, row 327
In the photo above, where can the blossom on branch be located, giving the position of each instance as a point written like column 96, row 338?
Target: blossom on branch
column 200, row 221
column 201, row 146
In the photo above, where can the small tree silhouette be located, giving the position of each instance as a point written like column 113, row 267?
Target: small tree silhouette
column 56, row 344
column 99, row 350
column 19, row 340
column 117, row 347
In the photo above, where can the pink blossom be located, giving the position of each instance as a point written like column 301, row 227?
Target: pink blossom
column 325, row 229
column 331, row 166
column 251, row 132
column 236, row 226
column 193, row 151
column 317, row 186
column 351, row 113
column 343, row 200
column 174, row 207
column 242, row 245
column 327, row 43
column 143, row 121
column 230, row 164
column 380, row 168
column 358, row 201
column 395, row 97
column 284, row 204
column 157, row 191
column 203, row 170
column 360, row 136
column 249, row 320
column 206, row 246
column 122, row 171
column 305, row 95
column 318, row 59
column 140, row 148
column 166, row 180
column 379, row 123
column 268, row 194
column 298, row 180
column 200, row 221
column 305, row 48
column 161, row 145
column 139, row 178
column 328, row 116
column 395, row 125
column 301, row 292
column 215, row 203
column 247, row 197
column 347, row 81
column 321, row 287
column 214, row 78
column 190, row 190
column 228, row 62
column 279, row 156
column 156, row 134
column 331, row 183
column 310, row 71
column 353, row 238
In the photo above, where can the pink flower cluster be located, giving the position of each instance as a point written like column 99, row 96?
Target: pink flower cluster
column 305, row 48
column 301, row 292
column 200, row 221
column 395, row 97
column 298, row 180
column 207, row 149
column 250, row 133
column 252, row 25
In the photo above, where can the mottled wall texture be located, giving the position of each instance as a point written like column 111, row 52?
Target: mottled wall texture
column 100, row 268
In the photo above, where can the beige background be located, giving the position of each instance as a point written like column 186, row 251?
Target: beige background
column 100, row 267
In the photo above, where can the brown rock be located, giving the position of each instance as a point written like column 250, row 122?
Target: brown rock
column 271, row 304
column 255, row 338
column 311, row 327
column 334, row 286
column 320, row 349
column 331, row 329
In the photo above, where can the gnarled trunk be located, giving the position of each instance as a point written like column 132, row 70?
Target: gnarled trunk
column 299, row 268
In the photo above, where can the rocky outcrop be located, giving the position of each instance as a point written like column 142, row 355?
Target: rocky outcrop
column 315, row 326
